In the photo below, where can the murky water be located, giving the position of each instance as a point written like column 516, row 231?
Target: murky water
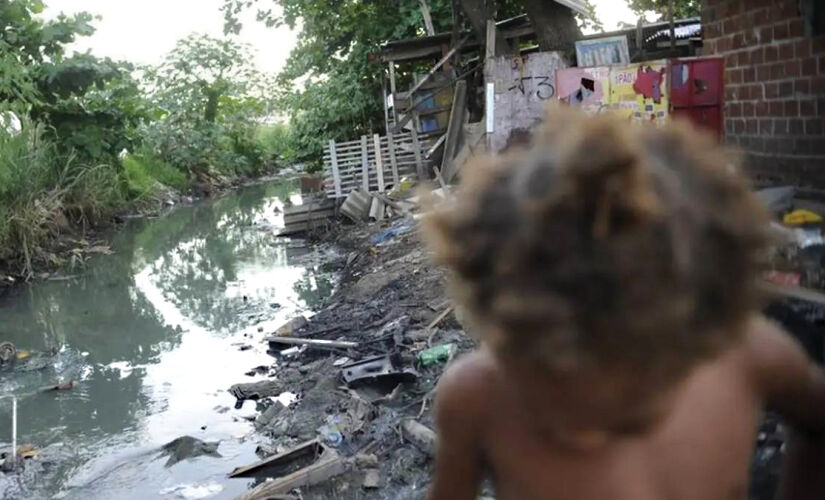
column 152, row 337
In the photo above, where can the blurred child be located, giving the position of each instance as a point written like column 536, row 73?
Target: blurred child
column 611, row 273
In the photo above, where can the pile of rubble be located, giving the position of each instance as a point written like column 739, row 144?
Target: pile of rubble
column 797, row 282
column 359, row 377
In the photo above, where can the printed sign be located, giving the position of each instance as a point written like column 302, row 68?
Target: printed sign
column 602, row 51
column 639, row 91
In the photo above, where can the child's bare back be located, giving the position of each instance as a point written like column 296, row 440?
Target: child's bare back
column 623, row 354
column 698, row 449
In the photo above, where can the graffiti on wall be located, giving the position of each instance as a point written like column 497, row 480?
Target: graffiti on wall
column 523, row 86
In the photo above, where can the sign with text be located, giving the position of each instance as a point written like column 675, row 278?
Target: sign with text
column 602, row 51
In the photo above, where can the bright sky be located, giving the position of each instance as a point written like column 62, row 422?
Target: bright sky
column 612, row 12
column 143, row 31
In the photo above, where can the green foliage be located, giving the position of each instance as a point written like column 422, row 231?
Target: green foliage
column 277, row 143
column 590, row 21
column 61, row 169
column 144, row 172
column 682, row 8
column 26, row 163
column 93, row 106
column 208, row 97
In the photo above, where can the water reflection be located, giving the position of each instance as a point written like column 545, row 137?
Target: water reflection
column 148, row 332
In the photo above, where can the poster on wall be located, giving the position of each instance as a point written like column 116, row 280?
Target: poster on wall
column 584, row 88
column 602, row 51
column 640, row 91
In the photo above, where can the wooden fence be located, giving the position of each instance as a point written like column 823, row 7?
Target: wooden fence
column 355, row 164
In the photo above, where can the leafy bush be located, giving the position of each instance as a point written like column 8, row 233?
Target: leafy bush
column 144, row 171
column 277, row 142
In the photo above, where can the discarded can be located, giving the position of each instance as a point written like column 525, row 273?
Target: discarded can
column 437, row 355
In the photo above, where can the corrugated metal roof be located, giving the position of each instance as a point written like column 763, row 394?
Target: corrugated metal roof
column 575, row 5
column 681, row 32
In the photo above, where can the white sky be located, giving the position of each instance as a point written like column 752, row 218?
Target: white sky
column 143, row 31
column 612, row 12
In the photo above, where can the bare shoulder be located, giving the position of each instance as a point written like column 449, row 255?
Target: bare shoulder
column 788, row 381
column 772, row 353
column 466, row 389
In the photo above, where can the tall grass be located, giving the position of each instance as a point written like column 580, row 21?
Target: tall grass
column 144, row 172
column 44, row 195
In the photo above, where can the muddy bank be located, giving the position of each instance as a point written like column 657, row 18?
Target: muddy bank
column 389, row 295
column 72, row 244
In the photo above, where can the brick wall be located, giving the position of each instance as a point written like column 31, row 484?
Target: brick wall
column 775, row 87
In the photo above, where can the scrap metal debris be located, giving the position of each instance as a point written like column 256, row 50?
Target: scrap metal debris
column 304, row 465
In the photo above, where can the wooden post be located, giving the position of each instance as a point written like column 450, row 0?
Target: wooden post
column 672, row 13
column 428, row 19
column 379, row 162
column 393, row 160
column 458, row 24
column 336, row 174
column 640, row 40
column 419, row 165
column 365, row 165
column 14, row 432
column 491, row 39
column 490, row 110
column 384, row 98
column 454, row 128
column 392, row 93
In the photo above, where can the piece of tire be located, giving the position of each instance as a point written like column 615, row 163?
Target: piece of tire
column 7, row 352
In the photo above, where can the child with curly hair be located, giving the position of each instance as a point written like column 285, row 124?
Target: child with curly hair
column 611, row 272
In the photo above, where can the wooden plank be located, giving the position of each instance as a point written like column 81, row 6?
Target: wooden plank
column 435, row 146
column 365, row 165
column 490, row 50
column 336, row 175
column 393, row 160
column 438, row 65
column 311, row 205
column 379, row 163
column 307, row 216
column 428, row 18
column 454, row 130
column 392, row 92
column 312, row 342
column 419, row 166
column 440, row 179
column 384, row 99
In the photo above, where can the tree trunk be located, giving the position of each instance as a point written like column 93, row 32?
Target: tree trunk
column 475, row 11
column 555, row 25
column 210, row 114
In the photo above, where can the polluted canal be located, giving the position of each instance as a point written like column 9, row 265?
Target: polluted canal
column 152, row 335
